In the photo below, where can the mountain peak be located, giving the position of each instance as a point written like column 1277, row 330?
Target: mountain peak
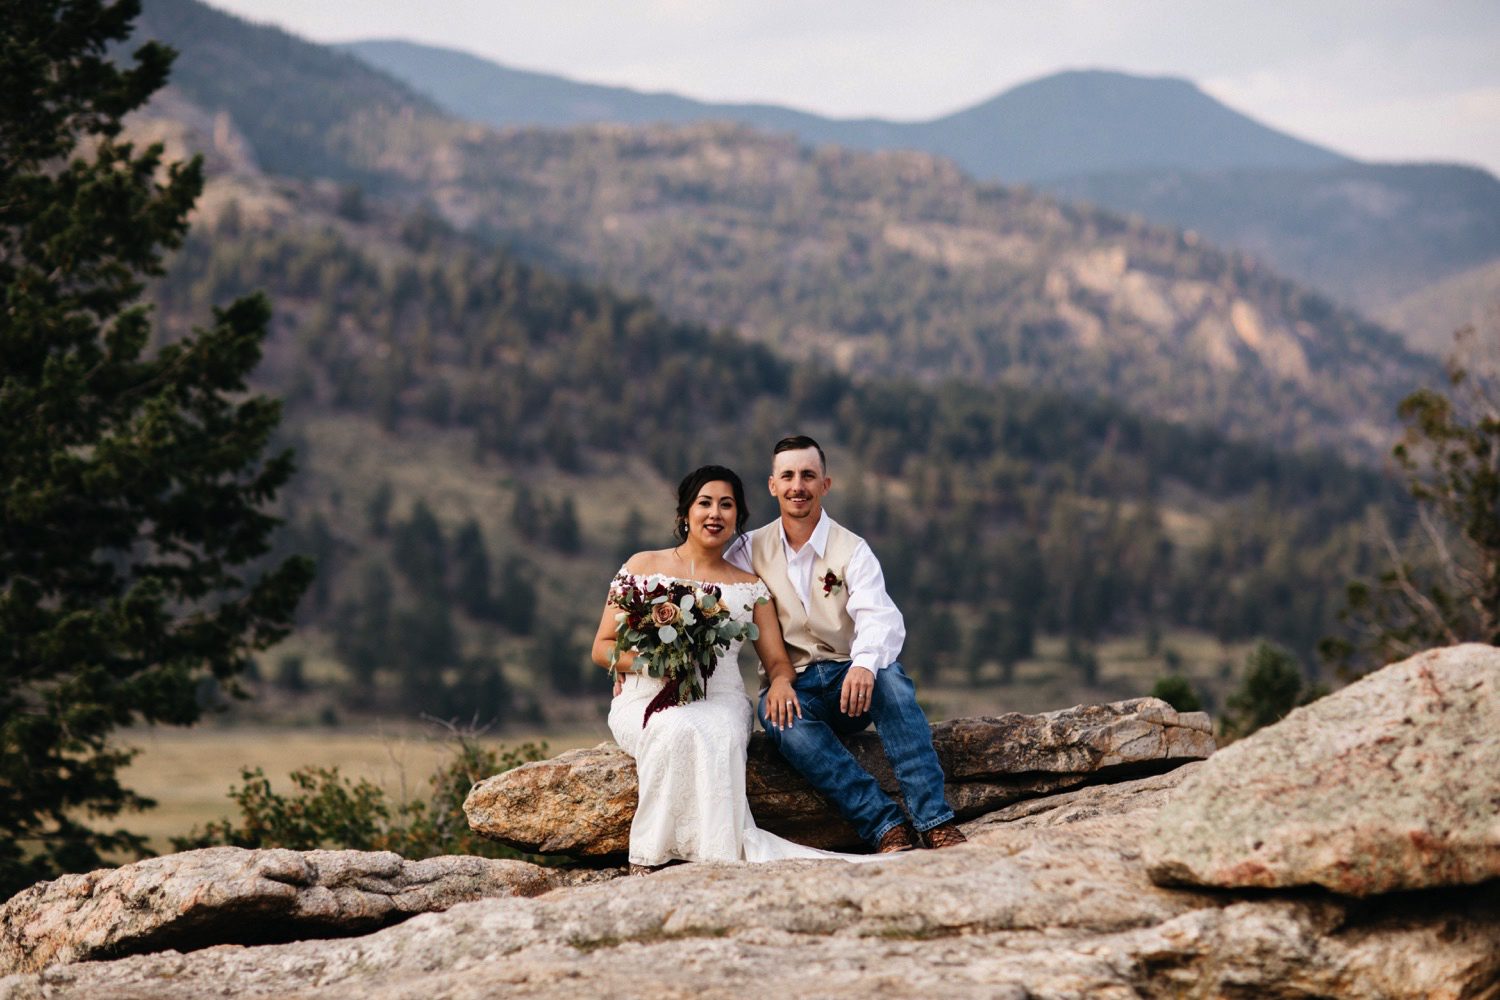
column 1097, row 120
column 1069, row 123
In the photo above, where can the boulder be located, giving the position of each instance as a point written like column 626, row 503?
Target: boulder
column 1391, row 783
column 229, row 894
column 1039, row 911
column 581, row 802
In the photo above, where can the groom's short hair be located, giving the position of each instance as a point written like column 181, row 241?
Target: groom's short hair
column 796, row 443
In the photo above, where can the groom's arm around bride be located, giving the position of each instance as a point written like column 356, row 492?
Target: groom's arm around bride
column 844, row 635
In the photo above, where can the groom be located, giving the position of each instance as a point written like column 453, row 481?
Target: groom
column 843, row 634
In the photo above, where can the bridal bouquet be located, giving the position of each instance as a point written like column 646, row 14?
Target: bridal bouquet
column 677, row 630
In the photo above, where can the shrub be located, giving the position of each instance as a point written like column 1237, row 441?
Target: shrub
column 1272, row 687
column 328, row 810
column 1175, row 690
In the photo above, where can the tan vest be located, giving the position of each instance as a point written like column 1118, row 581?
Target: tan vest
column 823, row 630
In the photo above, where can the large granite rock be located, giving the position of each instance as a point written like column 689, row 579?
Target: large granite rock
column 1051, row 897
column 1391, row 783
column 231, row 895
column 1044, row 911
column 581, row 802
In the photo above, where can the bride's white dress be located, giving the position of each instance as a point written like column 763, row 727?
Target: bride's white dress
column 690, row 761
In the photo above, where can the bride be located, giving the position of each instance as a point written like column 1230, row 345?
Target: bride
column 690, row 759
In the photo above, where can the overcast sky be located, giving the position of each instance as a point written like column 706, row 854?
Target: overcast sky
column 1377, row 79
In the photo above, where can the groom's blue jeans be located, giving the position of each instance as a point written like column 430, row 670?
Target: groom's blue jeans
column 811, row 745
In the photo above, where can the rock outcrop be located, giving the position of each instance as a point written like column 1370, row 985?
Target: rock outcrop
column 581, row 802
column 1053, row 896
column 1036, row 912
column 232, row 895
column 1391, row 783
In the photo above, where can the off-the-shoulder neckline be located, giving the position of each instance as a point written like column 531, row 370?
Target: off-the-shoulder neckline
column 688, row 579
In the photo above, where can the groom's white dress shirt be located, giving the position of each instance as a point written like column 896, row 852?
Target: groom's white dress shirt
column 879, row 630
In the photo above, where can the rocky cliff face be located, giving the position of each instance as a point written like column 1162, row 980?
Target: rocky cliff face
column 897, row 262
column 1053, row 897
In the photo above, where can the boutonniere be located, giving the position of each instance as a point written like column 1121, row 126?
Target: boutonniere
column 831, row 583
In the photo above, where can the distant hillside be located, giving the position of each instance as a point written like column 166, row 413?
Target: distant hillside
column 1089, row 121
column 1366, row 234
column 476, row 89
column 898, row 262
column 307, row 110
column 874, row 262
column 1062, row 125
column 481, row 438
column 1430, row 317
column 481, row 441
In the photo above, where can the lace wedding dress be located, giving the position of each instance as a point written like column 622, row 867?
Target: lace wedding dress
column 690, row 761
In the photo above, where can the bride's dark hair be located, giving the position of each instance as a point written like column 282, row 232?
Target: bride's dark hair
column 695, row 481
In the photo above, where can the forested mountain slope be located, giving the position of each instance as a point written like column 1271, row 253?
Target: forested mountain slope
column 1367, row 233
column 874, row 262
column 482, row 442
column 883, row 262
column 1364, row 233
column 1437, row 311
column 484, row 437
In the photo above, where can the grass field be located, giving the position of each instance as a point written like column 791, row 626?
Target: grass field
column 189, row 771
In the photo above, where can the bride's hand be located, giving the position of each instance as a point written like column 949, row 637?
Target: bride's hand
column 619, row 684
column 782, row 706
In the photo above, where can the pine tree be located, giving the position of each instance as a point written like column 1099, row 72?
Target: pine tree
column 379, row 509
column 525, row 515
column 1177, row 691
column 632, row 535
column 515, row 600
column 362, row 637
column 472, row 571
column 424, row 647
column 418, row 550
column 563, row 533
column 1272, row 687
column 132, row 481
column 1444, row 587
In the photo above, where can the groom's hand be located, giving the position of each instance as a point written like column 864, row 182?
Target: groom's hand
column 859, row 688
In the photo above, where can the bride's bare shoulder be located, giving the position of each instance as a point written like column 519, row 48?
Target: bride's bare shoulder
column 648, row 562
column 737, row 575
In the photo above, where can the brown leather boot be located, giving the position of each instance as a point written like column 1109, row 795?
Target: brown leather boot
column 897, row 838
column 946, row 835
